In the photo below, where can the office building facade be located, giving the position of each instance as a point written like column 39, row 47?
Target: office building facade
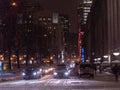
column 103, row 31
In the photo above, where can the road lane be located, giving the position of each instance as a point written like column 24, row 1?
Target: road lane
column 49, row 83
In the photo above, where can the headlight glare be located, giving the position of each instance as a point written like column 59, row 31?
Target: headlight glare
column 46, row 71
column 66, row 73
column 23, row 74
column 35, row 73
column 55, row 73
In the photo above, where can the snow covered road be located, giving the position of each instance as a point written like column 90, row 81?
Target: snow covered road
column 48, row 83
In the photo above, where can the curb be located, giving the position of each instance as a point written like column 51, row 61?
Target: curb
column 10, row 78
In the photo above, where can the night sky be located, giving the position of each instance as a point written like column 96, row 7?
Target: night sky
column 63, row 6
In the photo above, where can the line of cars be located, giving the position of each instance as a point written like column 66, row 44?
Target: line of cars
column 59, row 71
column 35, row 72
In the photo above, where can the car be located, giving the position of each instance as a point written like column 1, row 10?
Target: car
column 61, row 71
column 86, row 70
column 31, row 73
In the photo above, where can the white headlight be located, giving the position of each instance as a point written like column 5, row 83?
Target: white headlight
column 35, row 73
column 23, row 74
column 66, row 73
column 55, row 73
column 46, row 71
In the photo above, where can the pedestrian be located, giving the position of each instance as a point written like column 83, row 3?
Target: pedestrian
column 115, row 70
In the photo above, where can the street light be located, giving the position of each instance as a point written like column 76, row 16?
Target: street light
column 116, row 53
column 105, row 56
column 14, row 4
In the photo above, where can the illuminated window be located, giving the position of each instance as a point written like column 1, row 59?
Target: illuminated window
column 88, row 2
column 86, row 7
column 86, row 10
column 85, row 14
column 43, row 19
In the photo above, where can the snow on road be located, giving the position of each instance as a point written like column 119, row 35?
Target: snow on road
column 48, row 83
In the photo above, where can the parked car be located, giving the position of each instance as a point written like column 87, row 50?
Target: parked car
column 86, row 70
column 61, row 71
column 32, row 73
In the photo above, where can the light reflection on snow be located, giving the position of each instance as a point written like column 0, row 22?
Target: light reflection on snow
column 41, row 84
column 52, row 82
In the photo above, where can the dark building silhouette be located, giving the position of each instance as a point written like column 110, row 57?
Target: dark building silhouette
column 103, row 30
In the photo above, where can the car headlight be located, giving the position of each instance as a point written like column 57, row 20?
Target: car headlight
column 55, row 73
column 66, row 73
column 40, row 70
column 23, row 74
column 34, row 73
column 46, row 71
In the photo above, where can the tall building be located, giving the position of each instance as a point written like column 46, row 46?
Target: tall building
column 71, row 47
column 32, row 31
column 55, row 26
column 103, row 31
column 64, row 22
column 1, row 35
column 63, row 28
column 16, row 29
column 83, row 10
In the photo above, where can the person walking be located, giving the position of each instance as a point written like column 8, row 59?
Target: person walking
column 115, row 70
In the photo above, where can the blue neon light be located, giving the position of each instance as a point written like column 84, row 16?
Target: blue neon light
column 82, row 55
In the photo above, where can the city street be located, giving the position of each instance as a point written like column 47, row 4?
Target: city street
column 41, row 40
column 100, row 82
